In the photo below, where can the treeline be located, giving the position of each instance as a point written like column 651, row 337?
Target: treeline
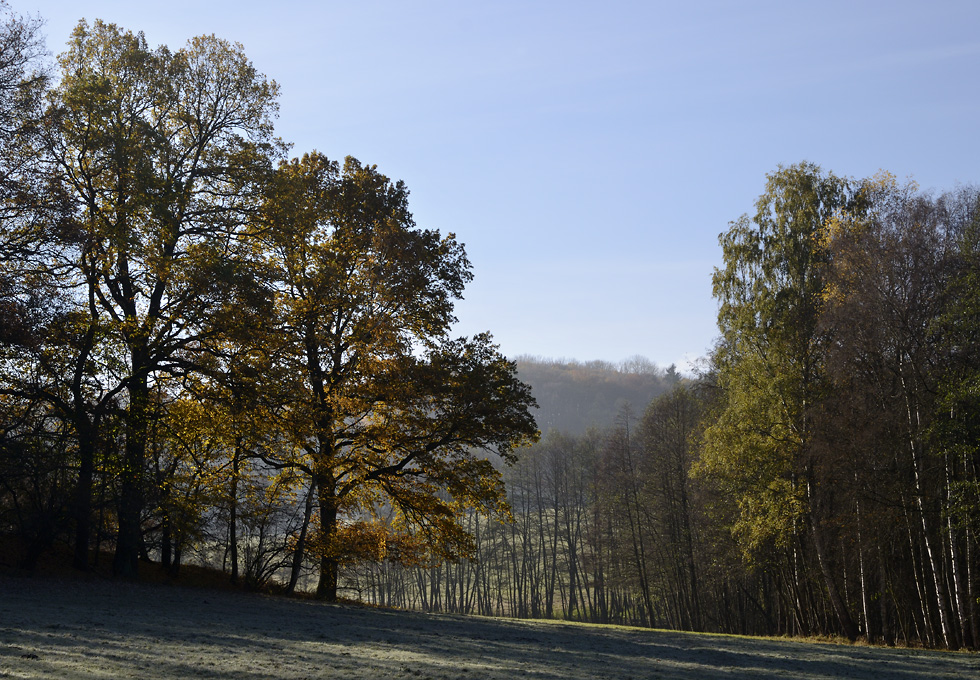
column 607, row 527
column 210, row 351
column 821, row 478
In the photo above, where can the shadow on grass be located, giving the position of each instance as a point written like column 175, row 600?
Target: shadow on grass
column 105, row 629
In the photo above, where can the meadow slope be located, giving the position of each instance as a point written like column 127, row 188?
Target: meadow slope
column 101, row 629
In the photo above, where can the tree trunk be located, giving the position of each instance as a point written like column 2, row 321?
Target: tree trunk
column 233, row 512
column 836, row 601
column 886, row 629
column 166, row 542
column 915, row 427
column 301, row 541
column 82, row 502
column 126, row 559
column 971, row 593
column 326, row 587
column 955, row 564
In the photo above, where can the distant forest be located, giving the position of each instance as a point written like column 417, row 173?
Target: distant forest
column 214, row 354
column 574, row 396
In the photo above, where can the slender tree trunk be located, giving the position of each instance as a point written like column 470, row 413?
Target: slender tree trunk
column 935, row 569
column 233, row 511
column 836, row 600
column 955, row 564
column 689, row 558
column 971, row 591
column 865, row 604
column 886, row 628
column 938, row 582
column 298, row 553
column 82, row 501
column 921, row 614
column 633, row 515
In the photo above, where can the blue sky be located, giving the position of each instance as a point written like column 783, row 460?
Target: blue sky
column 588, row 154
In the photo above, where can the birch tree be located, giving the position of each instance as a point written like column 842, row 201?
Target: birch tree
column 771, row 366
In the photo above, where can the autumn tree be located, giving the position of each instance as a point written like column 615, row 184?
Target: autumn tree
column 35, row 436
column 388, row 409
column 160, row 153
column 956, row 428
column 22, row 86
column 771, row 367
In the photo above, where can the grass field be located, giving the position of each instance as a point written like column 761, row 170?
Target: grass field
column 102, row 629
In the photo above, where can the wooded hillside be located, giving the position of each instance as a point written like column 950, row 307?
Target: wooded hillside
column 573, row 396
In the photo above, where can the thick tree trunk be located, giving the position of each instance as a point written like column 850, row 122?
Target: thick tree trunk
column 174, row 567
column 326, row 587
column 126, row 559
column 166, row 543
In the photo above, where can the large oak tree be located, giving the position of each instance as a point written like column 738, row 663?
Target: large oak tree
column 389, row 411
column 160, row 154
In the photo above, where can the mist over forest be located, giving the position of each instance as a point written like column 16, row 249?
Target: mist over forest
column 573, row 396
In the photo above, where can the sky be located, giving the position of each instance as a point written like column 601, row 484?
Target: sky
column 590, row 153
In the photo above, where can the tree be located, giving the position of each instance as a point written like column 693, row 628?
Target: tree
column 35, row 429
column 771, row 366
column 898, row 310
column 23, row 82
column 388, row 410
column 160, row 153
column 22, row 86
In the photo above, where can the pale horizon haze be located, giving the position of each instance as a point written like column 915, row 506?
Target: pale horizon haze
column 589, row 154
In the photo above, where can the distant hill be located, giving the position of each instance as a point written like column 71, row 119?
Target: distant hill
column 574, row 396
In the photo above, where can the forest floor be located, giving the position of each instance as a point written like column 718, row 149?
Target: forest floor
column 55, row 628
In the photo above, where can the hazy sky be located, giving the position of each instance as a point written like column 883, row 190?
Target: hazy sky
column 589, row 153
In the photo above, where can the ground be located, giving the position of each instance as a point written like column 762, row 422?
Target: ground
column 104, row 629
